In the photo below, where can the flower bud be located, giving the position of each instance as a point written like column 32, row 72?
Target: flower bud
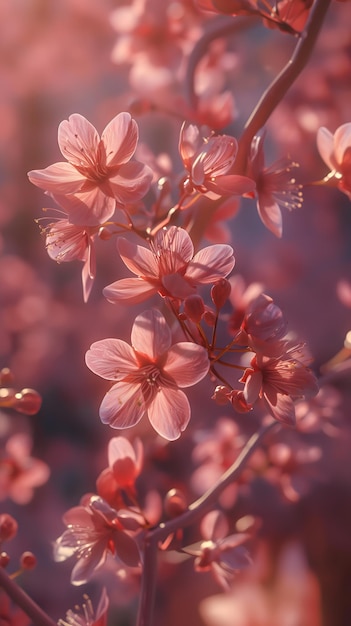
column 210, row 317
column 238, row 402
column 28, row 560
column 8, row 527
column 28, row 401
column 221, row 395
column 175, row 503
column 194, row 308
column 4, row 559
column 6, row 377
column 220, row 292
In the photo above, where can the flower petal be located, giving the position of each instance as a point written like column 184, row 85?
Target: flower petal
column 231, row 184
column 177, row 242
column 112, row 359
column 169, row 413
column 78, row 140
column 92, row 559
column 282, row 409
column 123, row 405
column 211, row 263
column 139, row 260
column 126, row 549
column 151, row 334
column 120, row 139
column 342, row 141
column 187, row 363
column 131, row 183
column 129, row 291
column 59, row 178
column 270, row 214
column 325, row 145
column 88, row 208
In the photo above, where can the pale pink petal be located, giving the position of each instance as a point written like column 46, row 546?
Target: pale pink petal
column 325, row 145
column 120, row 139
column 131, row 182
column 78, row 140
column 186, row 363
column 232, row 184
column 177, row 286
column 139, row 260
column 218, row 155
column 253, row 387
column 89, row 563
column 76, row 516
column 178, row 243
column 342, row 141
column 129, row 291
column 151, row 334
column 119, row 448
column 270, row 214
column 101, row 611
column 169, row 413
column 210, row 264
column 123, row 405
column 282, row 408
column 87, row 208
column 112, row 359
column 214, row 525
column 189, row 141
column 59, row 178
column 89, row 272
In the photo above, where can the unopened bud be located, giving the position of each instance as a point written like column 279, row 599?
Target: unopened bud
column 220, row 292
column 6, row 377
column 28, row 401
column 221, row 395
column 4, row 559
column 8, row 527
column 194, row 308
column 104, row 233
column 28, row 560
column 238, row 402
column 209, row 317
column 175, row 503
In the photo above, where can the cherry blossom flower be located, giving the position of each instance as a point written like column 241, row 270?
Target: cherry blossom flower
column 20, row 473
column 169, row 267
column 275, row 187
column 99, row 174
column 263, row 327
column 94, row 530
column 148, row 374
column 208, row 162
column 86, row 616
column 125, row 464
column 335, row 151
column 279, row 381
column 69, row 242
column 222, row 555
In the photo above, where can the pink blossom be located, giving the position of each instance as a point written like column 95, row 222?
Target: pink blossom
column 20, row 473
column 125, row 464
column 209, row 161
column 94, row 530
column 263, row 327
column 335, row 151
column 69, row 242
column 148, row 374
column 169, row 267
column 275, row 187
column 99, row 174
column 222, row 555
column 86, row 616
column 279, row 381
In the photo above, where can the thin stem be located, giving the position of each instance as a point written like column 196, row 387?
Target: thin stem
column 280, row 85
column 194, row 513
column 34, row 612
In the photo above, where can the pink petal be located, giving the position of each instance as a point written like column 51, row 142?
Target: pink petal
column 270, row 214
column 178, row 243
column 187, row 363
column 282, row 409
column 112, row 359
column 123, row 405
column 189, row 141
column 325, row 145
column 120, row 448
column 151, row 334
column 131, row 183
column 101, row 611
column 342, row 141
column 253, row 387
column 78, row 140
column 139, row 260
column 120, row 139
column 89, row 563
column 169, row 413
column 87, row 208
column 89, row 272
column 129, row 291
column 214, row 525
column 127, row 549
column 210, row 264
column 232, row 184
column 76, row 516
column 177, row 286
column 58, row 178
